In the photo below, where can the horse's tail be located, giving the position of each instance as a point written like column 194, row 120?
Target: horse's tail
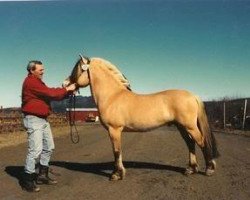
column 210, row 146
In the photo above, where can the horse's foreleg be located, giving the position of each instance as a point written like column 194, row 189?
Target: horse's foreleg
column 193, row 165
column 115, row 137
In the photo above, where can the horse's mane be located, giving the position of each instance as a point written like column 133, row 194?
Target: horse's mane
column 115, row 72
column 111, row 68
column 75, row 72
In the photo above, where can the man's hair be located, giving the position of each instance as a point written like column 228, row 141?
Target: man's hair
column 32, row 65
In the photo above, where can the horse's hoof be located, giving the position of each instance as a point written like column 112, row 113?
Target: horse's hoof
column 209, row 172
column 191, row 170
column 115, row 177
column 211, row 168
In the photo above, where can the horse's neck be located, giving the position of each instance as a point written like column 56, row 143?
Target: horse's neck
column 103, row 85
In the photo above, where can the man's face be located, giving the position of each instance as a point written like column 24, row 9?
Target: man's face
column 38, row 72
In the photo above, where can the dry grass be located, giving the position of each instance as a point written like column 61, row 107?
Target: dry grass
column 15, row 138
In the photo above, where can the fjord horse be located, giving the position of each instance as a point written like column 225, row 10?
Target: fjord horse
column 121, row 108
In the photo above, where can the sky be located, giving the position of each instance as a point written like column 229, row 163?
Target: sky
column 200, row 46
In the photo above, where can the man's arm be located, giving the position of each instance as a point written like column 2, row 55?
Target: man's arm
column 40, row 89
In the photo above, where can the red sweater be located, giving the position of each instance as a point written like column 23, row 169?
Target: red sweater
column 36, row 96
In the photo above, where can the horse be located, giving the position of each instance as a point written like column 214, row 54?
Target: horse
column 120, row 108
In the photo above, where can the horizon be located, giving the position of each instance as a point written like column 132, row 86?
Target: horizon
column 199, row 46
column 225, row 99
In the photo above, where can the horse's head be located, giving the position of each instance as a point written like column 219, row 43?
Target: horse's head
column 79, row 74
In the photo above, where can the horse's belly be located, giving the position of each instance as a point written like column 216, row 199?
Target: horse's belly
column 145, row 124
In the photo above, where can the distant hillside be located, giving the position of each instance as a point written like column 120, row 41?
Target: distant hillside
column 80, row 102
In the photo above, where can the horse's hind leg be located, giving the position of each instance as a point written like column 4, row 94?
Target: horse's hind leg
column 199, row 139
column 115, row 137
column 193, row 165
column 210, row 162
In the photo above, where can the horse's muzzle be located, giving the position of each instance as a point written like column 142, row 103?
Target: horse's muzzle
column 65, row 83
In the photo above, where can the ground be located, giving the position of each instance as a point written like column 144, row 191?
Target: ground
column 155, row 162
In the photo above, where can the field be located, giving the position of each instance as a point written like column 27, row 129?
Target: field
column 155, row 162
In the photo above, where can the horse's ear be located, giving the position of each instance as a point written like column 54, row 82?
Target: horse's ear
column 84, row 59
column 85, row 64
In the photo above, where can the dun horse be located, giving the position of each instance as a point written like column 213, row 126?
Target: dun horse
column 121, row 108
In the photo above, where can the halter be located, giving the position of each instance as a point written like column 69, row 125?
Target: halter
column 85, row 67
column 74, row 135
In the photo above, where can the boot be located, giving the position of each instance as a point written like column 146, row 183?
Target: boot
column 28, row 183
column 43, row 176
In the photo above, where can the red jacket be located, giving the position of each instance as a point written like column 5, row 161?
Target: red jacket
column 36, row 96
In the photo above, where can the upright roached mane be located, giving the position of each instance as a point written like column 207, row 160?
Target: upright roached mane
column 113, row 69
column 121, row 108
column 76, row 72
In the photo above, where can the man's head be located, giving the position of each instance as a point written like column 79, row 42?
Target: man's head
column 35, row 67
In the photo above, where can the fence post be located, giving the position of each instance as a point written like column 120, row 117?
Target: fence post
column 244, row 115
column 224, row 114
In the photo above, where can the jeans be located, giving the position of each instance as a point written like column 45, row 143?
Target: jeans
column 40, row 142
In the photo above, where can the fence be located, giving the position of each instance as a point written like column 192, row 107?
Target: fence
column 229, row 114
column 11, row 121
column 226, row 114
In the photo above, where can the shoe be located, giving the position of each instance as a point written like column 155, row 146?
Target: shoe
column 43, row 176
column 28, row 183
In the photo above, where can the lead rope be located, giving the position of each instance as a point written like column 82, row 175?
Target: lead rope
column 74, row 135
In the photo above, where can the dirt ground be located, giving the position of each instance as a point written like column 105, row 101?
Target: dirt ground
column 155, row 162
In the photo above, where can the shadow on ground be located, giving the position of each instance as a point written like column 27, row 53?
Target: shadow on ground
column 16, row 172
column 101, row 168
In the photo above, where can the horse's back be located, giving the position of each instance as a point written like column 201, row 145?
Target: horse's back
column 173, row 98
column 168, row 99
column 143, row 111
column 178, row 97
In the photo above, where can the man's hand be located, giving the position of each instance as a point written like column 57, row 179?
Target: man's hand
column 71, row 87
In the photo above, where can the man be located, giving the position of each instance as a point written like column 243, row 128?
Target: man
column 36, row 97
